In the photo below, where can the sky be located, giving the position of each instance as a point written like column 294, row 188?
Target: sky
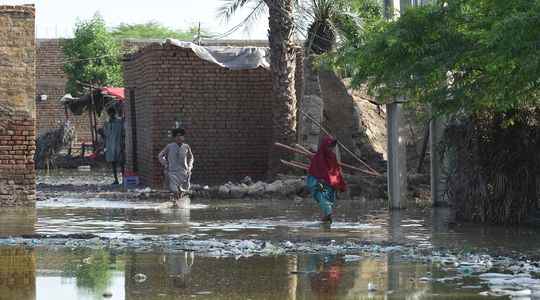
column 56, row 18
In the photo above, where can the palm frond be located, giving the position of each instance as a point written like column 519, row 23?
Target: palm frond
column 258, row 11
column 231, row 7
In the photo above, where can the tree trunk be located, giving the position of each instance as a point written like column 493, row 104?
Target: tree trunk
column 283, row 68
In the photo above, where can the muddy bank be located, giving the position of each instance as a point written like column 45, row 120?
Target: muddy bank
column 97, row 184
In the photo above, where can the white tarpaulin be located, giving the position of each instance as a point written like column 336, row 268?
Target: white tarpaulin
column 234, row 58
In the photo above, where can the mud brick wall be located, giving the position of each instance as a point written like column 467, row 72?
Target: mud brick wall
column 227, row 114
column 17, row 107
column 139, row 77
column 51, row 81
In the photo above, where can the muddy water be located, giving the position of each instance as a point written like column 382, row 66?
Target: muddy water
column 41, row 271
column 84, row 274
column 265, row 219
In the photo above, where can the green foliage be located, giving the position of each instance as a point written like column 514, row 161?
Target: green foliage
column 92, row 57
column 153, row 30
column 461, row 55
column 94, row 273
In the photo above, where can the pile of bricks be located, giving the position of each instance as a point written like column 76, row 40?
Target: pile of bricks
column 17, row 107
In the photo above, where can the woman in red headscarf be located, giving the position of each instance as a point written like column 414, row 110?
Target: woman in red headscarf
column 325, row 177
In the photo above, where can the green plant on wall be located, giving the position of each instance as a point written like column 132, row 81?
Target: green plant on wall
column 92, row 57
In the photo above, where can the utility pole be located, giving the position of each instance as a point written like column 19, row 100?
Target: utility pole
column 397, row 143
column 199, row 34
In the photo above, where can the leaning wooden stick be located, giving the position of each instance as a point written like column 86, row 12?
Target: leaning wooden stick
column 340, row 144
column 303, row 148
column 288, row 163
column 310, row 154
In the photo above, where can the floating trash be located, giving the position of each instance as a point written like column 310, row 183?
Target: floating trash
column 139, row 277
column 351, row 258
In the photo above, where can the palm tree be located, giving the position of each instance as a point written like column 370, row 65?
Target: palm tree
column 283, row 67
column 287, row 17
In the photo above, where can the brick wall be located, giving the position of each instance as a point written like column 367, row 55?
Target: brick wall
column 17, row 107
column 227, row 114
column 51, row 81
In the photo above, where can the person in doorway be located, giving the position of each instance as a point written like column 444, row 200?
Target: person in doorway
column 177, row 159
column 113, row 132
column 325, row 177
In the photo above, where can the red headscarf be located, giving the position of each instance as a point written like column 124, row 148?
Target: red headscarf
column 324, row 165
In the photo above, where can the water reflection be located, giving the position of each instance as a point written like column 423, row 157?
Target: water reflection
column 88, row 275
column 325, row 275
column 93, row 274
column 17, row 273
column 17, row 221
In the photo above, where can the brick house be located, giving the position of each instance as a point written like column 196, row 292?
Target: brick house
column 51, row 82
column 227, row 113
column 17, row 109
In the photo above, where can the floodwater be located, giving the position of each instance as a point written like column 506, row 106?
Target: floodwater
column 88, row 275
column 101, row 269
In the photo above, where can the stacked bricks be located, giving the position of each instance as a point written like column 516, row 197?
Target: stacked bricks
column 227, row 114
column 17, row 107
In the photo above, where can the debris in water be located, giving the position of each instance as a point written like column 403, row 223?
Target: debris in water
column 139, row 277
column 351, row 258
column 84, row 168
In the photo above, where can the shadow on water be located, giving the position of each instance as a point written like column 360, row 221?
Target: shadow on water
column 85, row 275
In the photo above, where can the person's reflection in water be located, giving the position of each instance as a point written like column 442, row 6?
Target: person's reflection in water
column 325, row 275
column 178, row 267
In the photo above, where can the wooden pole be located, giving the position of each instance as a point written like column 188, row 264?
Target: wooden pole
column 310, row 154
column 340, row 144
column 294, row 164
column 93, row 116
column 424, row 148
column 91, row 126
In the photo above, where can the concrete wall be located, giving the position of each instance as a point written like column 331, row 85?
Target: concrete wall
column 227, row 114
column 17, row 107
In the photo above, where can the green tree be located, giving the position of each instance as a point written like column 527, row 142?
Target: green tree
column 154, row 30
column 92, row 57
column 461, row 55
